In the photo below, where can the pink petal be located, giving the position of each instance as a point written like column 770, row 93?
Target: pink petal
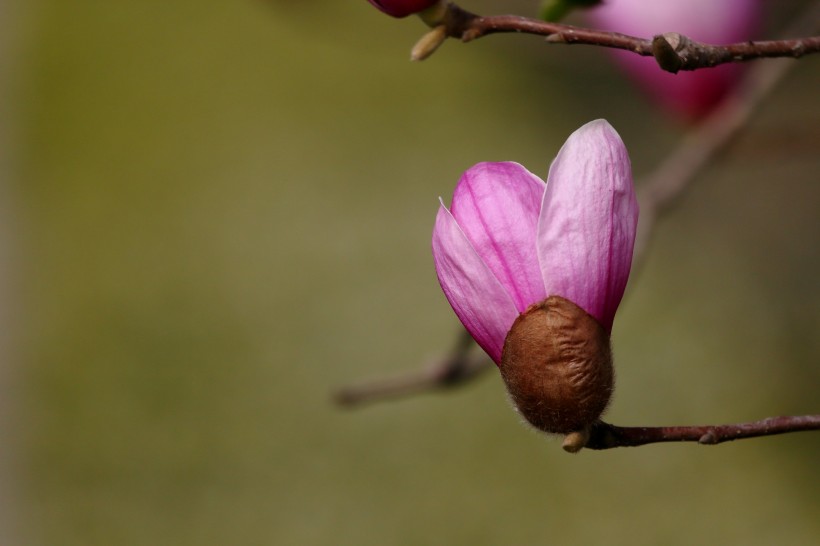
column 587, row 226
column 480, row 301
column 497, row 206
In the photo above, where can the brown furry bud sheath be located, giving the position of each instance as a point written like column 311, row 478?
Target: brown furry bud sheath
column 557, row 365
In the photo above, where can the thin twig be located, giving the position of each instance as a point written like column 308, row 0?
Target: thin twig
column 672, row 51
column 606, row 436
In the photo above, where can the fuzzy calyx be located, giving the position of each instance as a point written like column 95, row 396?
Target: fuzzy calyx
column 557, row 365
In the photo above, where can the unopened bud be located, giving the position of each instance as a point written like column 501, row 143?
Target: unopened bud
column 557, row 365
column 403, row 8
column 429, row 43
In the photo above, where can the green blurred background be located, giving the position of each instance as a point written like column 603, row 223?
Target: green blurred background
column 215, row 213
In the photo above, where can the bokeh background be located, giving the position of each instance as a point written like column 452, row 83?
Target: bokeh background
column 216, row 213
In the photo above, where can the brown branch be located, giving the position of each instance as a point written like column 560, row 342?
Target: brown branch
column 672, row 51
column 606, row 436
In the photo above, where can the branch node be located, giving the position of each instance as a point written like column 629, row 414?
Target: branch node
column 710, row 438
column 665, row 48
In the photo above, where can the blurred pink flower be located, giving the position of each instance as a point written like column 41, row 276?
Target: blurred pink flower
column 402, row 8
column 509, row 240
column 689, row 94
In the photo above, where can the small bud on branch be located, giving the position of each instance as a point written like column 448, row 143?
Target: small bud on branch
column 428, row 44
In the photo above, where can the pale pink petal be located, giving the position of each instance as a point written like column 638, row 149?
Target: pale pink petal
column 497, row 206
column 718, row 22
column 587, row 226
column 479, row 300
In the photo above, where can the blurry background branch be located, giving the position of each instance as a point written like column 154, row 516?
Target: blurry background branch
column 463, row 364
column 657, row 193
column 672, row 51
column 705, row 141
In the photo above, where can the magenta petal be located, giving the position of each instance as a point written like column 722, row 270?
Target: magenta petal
column 586, row 231
column 480, row 301
column 497, row 206
column 402, row 8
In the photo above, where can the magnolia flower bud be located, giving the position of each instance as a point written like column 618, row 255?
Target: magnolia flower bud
column 557, row 365
column 402, row 8
column 535, row 271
